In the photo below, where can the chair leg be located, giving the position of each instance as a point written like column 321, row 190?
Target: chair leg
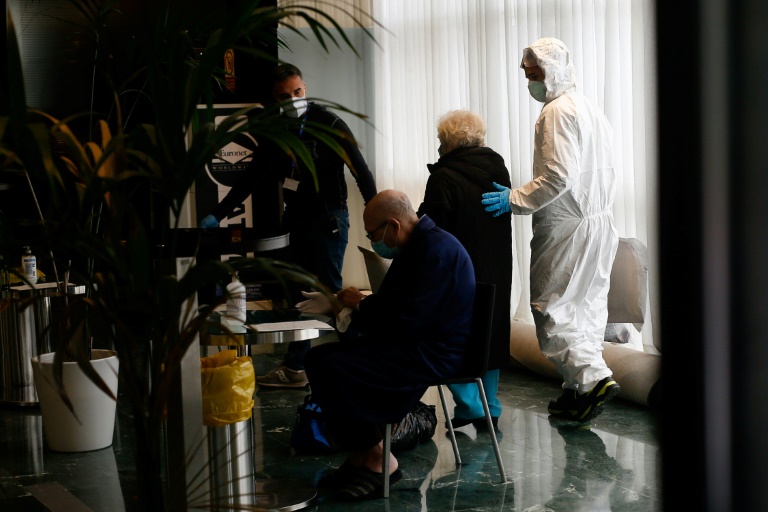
column 385, row 458
column 492, row 430
column 451, row 433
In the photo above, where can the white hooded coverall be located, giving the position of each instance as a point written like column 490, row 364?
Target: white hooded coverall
column 574, row 238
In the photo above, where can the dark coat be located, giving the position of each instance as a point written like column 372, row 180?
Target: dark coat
column 413, row 331
column 453, row 200
column 308, row 203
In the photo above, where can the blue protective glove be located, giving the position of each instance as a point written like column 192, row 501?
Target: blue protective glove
column 209, row 222
column 497, row 202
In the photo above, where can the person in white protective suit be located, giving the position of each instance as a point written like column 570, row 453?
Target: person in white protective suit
column 574, row 238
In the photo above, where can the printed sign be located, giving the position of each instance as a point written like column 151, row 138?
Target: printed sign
column 223, row 171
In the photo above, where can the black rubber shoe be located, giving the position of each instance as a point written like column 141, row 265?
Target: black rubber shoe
column 564, row 405
column 479, row 423
column 590, row 405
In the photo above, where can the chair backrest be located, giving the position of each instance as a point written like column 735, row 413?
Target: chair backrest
column 476, row 360
column 375, row 266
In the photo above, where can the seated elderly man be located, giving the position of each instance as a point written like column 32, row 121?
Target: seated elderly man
column 413, row 331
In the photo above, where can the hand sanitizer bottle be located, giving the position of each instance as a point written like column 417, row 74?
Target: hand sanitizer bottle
column 236, row 300
column 29, row 264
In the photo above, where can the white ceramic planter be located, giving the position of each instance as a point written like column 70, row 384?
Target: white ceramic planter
column 94, row 409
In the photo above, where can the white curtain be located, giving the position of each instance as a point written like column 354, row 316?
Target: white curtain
column 434, row 56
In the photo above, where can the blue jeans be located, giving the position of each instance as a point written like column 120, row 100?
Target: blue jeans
column 318, row 250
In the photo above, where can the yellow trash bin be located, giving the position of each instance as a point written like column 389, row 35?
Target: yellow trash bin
column 228, row 384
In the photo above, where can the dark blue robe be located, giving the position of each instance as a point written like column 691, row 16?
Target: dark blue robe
column 413, row 331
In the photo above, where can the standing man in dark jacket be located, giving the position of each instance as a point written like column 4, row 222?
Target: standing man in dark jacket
column 316, row 217
column 465, row 168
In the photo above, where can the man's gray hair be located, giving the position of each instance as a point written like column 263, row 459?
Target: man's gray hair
column 395, row 203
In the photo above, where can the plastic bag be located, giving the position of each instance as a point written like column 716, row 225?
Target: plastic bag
column 617, row 333
column 417, row 427
column 228, row 384
column 310, row 432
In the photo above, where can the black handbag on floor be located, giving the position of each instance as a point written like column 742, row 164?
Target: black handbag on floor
column 310, row 432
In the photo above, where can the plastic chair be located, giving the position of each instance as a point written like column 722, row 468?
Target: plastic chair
column 474, row 367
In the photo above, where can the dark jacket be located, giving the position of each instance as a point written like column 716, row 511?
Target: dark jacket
column 425, row 300
column 308, row 204
column 413, row 331
column 453, row 200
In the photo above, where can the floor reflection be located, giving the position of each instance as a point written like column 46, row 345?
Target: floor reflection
column 592, row 480
column 611, row 465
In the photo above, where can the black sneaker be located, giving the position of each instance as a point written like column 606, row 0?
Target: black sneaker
column 564, row 405
column 590, row 405
column 481, row 425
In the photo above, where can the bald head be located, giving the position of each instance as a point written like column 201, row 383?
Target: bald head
column 390, row 207
column 389, row 204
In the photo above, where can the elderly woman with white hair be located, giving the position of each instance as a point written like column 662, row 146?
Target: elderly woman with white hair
column 465, row 169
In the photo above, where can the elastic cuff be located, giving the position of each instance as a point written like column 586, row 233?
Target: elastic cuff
column 343, row 319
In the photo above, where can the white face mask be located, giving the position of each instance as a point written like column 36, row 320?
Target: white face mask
column 295, row 107
column 538, row 91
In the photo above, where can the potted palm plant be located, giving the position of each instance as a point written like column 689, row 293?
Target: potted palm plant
column 109, row 196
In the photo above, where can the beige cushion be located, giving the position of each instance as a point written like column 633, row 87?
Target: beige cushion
column 628, row 296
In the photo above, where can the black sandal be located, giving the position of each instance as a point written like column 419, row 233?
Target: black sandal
column 338, row 478
column 366, row 484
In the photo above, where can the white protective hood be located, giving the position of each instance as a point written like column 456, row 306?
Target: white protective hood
column 552, row 56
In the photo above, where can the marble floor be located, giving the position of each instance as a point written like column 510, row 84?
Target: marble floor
column 614, row 464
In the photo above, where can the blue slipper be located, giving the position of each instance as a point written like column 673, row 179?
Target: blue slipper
column 366, row 484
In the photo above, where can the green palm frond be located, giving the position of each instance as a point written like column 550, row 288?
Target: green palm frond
column 155, row 64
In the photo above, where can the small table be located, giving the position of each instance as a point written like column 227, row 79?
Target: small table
column 214, row 336
column 24, row 333
column 232, row 444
